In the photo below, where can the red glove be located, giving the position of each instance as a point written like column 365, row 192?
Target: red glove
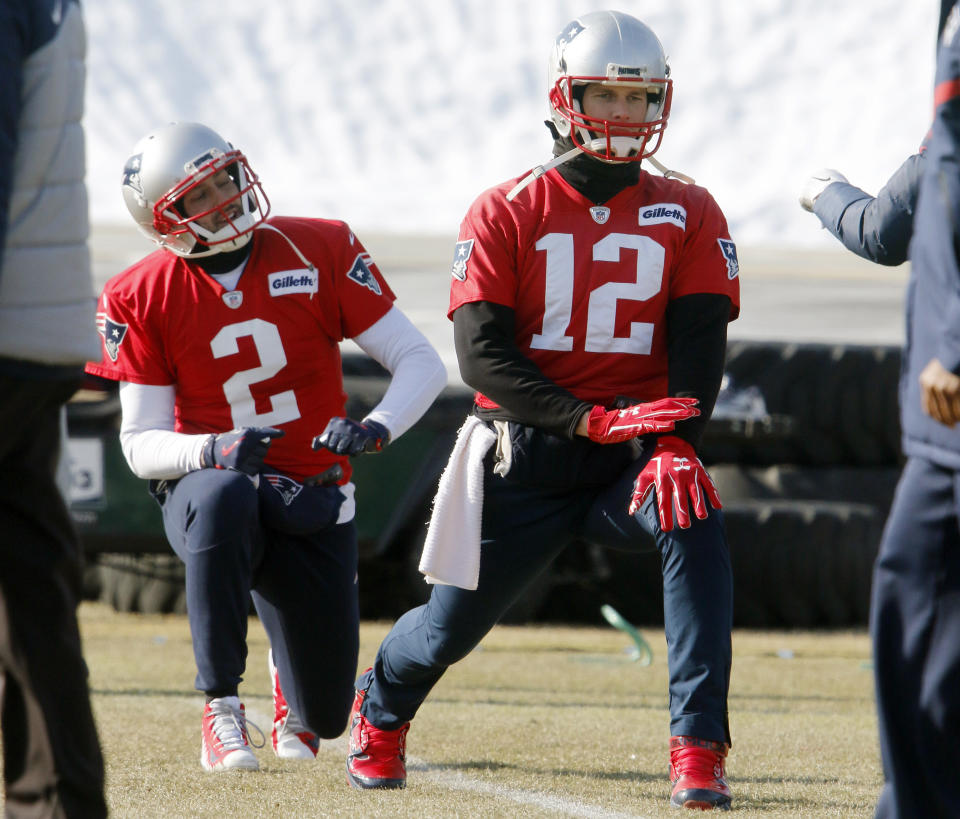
column 613, row 426
column 676, row 473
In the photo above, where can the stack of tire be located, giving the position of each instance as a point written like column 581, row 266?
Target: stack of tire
column 806, row 487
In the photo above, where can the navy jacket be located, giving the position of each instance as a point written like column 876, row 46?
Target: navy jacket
column 933, row 292
column 876, row 228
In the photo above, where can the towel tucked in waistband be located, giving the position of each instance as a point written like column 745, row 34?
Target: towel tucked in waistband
column 451, row 551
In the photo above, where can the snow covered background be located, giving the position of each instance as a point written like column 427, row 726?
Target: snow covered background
column 394, row 115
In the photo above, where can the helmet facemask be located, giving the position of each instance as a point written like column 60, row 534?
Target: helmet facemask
column 608, row 140
column 240, row 214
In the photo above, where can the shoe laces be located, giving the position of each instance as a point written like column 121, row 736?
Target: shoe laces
column 700, row 763
column 230, row 726
column 383, row 743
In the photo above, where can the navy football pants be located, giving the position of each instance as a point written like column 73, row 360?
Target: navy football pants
column 304, row 588
column 915, row 626
column 523, row 530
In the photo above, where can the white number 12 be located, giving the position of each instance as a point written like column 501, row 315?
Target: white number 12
column 602, row 305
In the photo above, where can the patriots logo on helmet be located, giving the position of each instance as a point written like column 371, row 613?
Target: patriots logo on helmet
column 571, row 31
column 131, row 174
column 461, row 254
column 361, row 273
column 730, row 254
column 113, row 334
column 286, row 487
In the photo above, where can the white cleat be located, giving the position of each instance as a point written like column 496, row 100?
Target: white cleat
column 225, row 745
column 291, row 738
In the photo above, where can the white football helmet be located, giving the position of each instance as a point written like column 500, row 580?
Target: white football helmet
column 612, row 48
column 172, row 160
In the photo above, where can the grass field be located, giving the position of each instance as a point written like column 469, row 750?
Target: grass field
column 537, row 722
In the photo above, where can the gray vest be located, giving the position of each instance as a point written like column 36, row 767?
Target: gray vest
column 47, row 303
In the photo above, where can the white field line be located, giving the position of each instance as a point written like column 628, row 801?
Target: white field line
column 457, row 781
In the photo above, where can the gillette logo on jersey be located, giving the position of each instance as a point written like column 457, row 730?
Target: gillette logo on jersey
column 663, row 213
column 284, row 282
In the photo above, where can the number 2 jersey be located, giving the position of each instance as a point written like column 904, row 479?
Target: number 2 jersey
column 264, row 354
column 589, row 284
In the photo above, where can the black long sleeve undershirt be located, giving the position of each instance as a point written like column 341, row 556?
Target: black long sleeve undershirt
column 491, row 363
column 696, row 353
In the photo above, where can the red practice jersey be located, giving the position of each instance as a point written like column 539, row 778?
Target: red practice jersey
column 589, row 284
column 265, row 354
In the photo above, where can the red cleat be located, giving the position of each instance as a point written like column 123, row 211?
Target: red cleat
column 696, row 771
column 377, row 758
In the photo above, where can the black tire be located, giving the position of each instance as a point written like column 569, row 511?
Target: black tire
column 841, row 401
column 784, row 482
column 149, row 584
column 801, row 564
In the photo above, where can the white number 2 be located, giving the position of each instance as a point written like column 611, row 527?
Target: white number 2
column 602, row 305
column 266, row 338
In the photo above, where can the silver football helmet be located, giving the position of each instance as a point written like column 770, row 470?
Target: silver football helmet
column 611, row 48
column 171, row 161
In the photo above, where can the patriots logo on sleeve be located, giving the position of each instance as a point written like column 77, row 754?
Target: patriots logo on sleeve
column 361, row 273
column 461, row 253
column 113, row 334
column 730, row 254
column 286, row 487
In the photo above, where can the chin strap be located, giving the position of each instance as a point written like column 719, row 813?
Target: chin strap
column 540, row 170
column 306, row 262
column 668, row 174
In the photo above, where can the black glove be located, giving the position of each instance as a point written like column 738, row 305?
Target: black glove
column 242, row 450
column 344, row 436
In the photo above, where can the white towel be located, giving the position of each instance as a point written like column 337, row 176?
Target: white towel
column 451, row 552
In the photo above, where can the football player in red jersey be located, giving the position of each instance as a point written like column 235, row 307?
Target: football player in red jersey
column 225, row 341
column 590, row 301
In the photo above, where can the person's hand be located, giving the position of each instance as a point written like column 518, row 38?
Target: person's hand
column 676, row 474
column 344, row 436
column 940, row 393
column 816, row 184
column 241, row 450
column 613, row 426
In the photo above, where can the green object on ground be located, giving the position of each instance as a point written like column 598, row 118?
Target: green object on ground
column 640, row 652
